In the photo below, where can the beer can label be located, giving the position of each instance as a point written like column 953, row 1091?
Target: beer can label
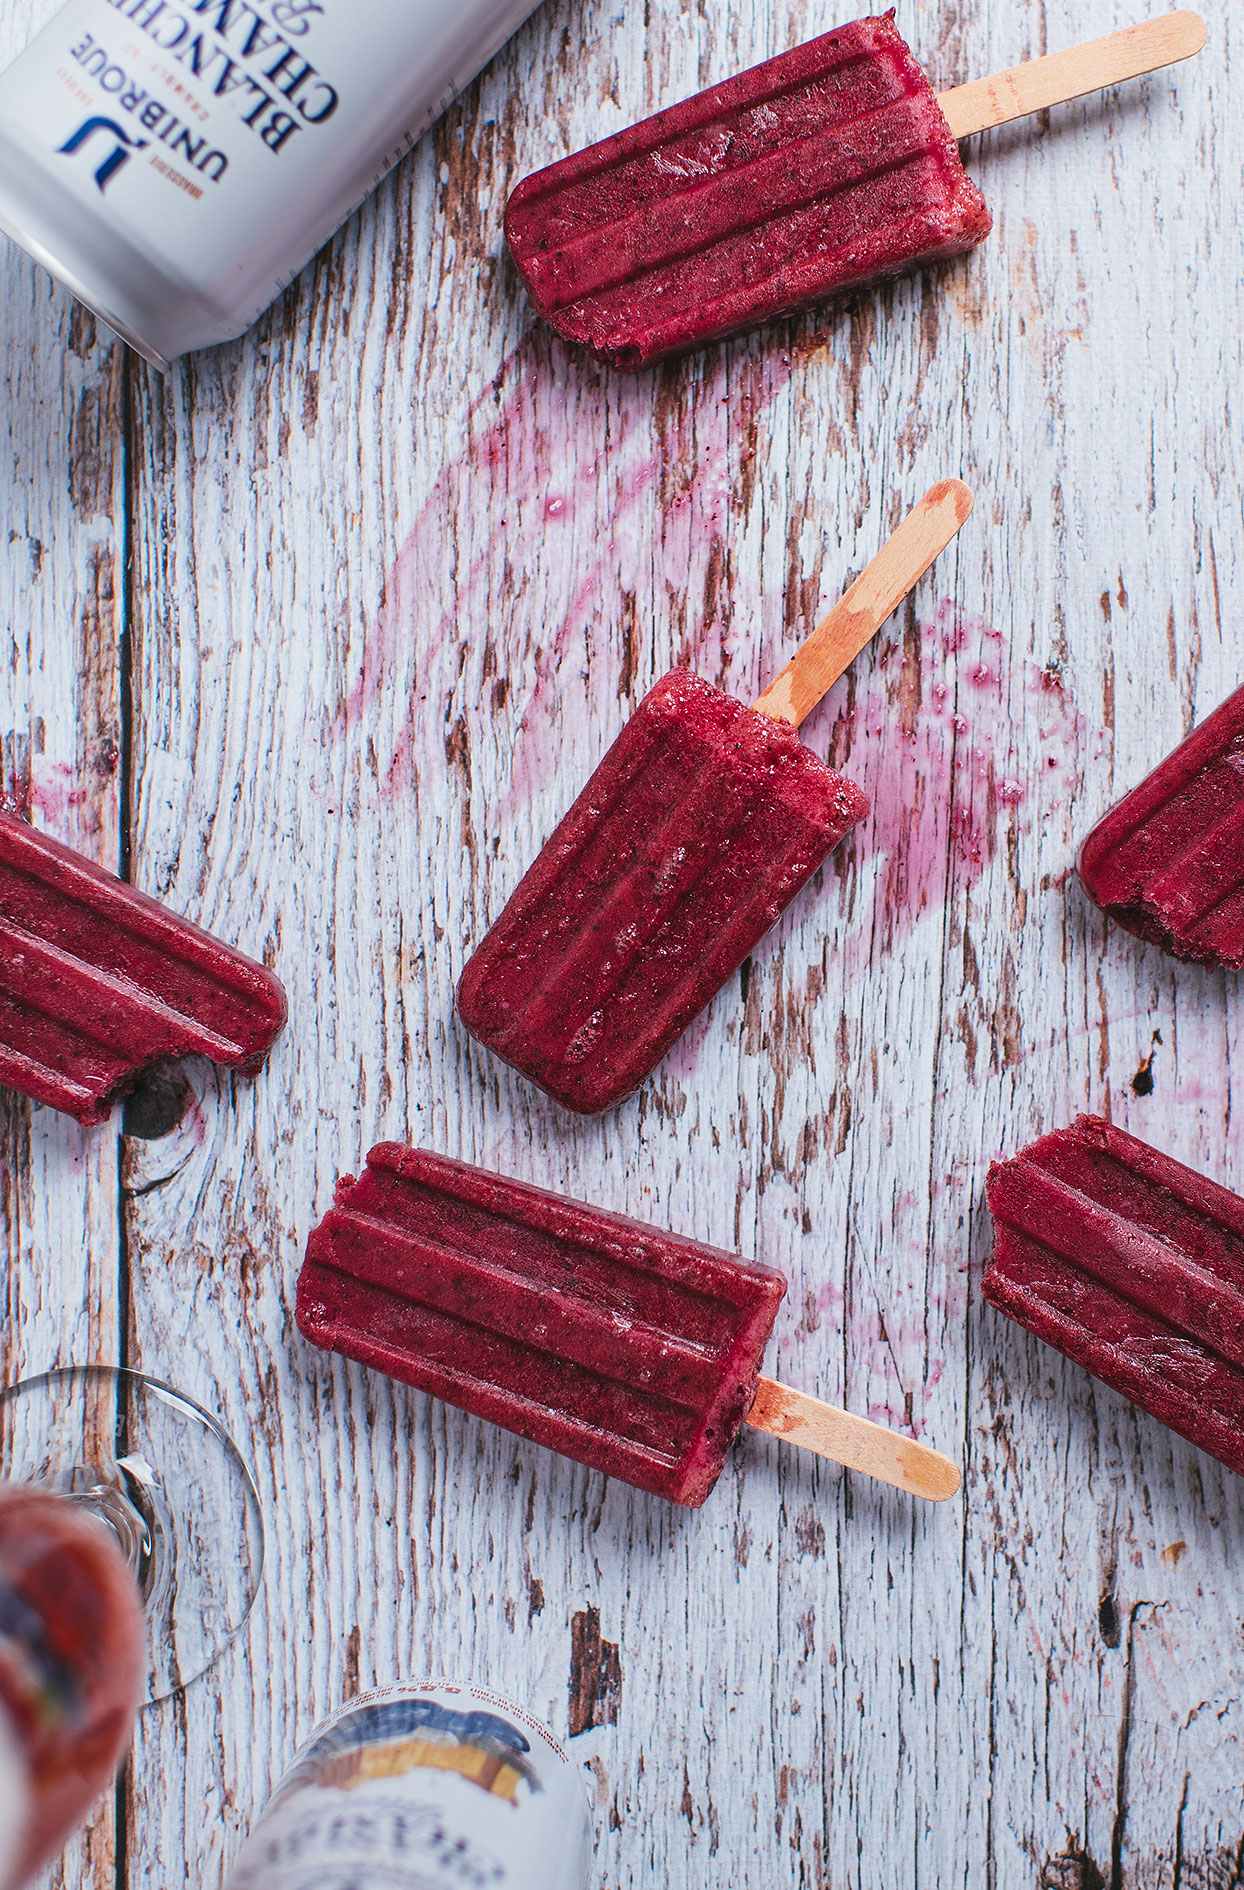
column 224, row 140
column 426, row 1787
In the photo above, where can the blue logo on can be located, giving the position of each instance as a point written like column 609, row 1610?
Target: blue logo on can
column 116, row 157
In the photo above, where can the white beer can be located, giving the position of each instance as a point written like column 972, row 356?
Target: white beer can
column 428, row 1786
column 176, row 162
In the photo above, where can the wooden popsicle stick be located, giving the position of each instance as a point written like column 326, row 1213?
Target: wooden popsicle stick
column 860, row 612
column 1053, row 80
column 853, row 1441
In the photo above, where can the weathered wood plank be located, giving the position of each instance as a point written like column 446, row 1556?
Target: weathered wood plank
column 401, row 567
column 62, row 616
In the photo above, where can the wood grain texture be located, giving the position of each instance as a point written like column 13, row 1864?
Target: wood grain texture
column 359, row 601
column 62, row 473
column 828, row 652
column 1073, row 72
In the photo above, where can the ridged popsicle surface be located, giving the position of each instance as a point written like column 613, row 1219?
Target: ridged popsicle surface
column 1168, row 861
column 827, row 167
column 626, row 1348
column 97, row 980
column 1132, row 1265
column 691, row 838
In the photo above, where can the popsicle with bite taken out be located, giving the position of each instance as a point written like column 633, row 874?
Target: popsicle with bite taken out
column 97, row 981
column 1168, row 861
column 826, row 168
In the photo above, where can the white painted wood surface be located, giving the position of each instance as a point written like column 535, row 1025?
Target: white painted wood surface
column 320, row 634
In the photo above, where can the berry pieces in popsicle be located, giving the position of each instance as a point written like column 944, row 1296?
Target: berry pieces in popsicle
column 696, row 831
column 97, row 981
column 628, row 1349
column 1133, row 1266
column 831, row 166
column 693, row 835
column 1168, row 861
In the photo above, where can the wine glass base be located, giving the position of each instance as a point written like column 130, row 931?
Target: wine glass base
column 162, row 1475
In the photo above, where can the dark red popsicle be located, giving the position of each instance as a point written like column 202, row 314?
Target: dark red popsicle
column 831, row 166
column 97, row 981
column 1132, row 1265
column 692, row 837
column 1168, row 861
column 628, row 1349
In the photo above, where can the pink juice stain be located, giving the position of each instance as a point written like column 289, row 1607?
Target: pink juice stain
column 542, row 515
column 951, row 762
column 55, row 793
